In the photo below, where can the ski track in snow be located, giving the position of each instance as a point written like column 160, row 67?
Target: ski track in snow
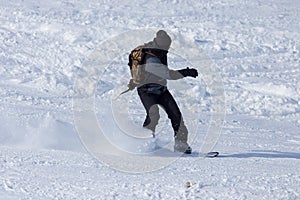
column 256, row 47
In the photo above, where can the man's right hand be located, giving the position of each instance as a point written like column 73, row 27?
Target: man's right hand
column 131, row 85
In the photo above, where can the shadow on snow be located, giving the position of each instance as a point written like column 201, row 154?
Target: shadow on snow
column 264, row 154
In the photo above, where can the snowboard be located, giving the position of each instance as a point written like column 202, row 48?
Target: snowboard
column 211, row 154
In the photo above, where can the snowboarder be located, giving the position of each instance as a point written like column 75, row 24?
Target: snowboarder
column 152, row 88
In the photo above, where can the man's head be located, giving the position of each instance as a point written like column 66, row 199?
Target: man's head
column 162, row 40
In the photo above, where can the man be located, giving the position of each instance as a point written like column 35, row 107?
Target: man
column 153, row 90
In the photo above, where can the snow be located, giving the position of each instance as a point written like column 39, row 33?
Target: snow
column 247, row 54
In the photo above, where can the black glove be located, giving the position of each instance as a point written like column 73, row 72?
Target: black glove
column 188, row 72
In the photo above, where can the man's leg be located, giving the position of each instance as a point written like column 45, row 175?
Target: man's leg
column 150, row 104
column 167, row 101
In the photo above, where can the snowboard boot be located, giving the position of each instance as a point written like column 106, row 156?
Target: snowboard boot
column 181, row 144
column 182, row 147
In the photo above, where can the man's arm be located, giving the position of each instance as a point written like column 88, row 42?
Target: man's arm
column 154, row 66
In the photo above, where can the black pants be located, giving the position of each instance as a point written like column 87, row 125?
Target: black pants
column 168, row 103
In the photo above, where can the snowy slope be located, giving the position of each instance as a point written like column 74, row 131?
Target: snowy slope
column 254, row 45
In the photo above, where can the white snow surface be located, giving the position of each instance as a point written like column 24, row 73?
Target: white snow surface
column 255, row 46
